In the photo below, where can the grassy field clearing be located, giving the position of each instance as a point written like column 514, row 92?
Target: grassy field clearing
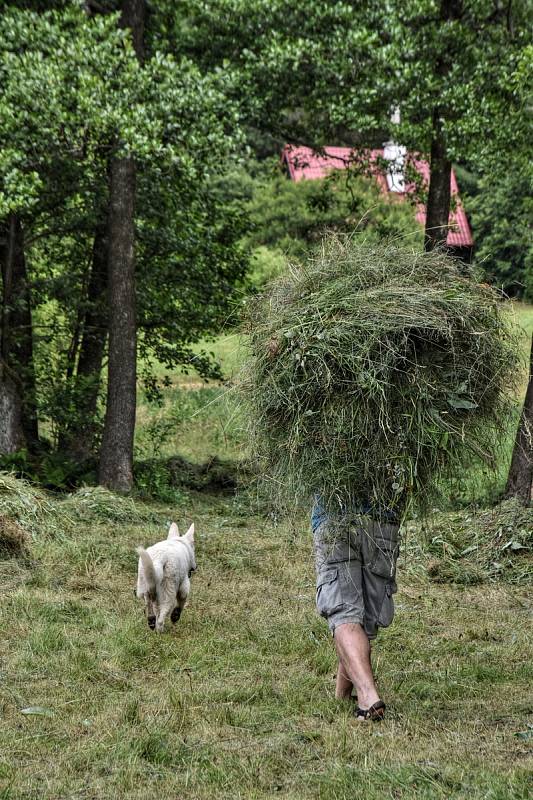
column 237, row 700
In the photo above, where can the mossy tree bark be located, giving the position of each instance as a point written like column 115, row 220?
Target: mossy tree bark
column 520, row 478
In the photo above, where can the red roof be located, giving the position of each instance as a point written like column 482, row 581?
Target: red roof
column 305, row 163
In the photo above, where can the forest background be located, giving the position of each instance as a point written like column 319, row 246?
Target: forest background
column 142, row 198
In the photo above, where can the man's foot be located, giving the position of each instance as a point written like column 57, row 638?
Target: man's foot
column 375, row 713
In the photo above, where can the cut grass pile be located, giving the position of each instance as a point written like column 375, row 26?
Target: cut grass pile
column 97, row 504
column 237, row 700
column 27, row 505
column 374, row 371
column 200, row 422
column 470, row 547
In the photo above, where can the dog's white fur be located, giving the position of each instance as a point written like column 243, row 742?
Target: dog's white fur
column 163, row 578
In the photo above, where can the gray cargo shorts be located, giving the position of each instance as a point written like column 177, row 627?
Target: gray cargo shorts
column 356, row 567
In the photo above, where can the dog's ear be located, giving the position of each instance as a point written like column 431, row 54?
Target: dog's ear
column 173, row 531
column 190, row 534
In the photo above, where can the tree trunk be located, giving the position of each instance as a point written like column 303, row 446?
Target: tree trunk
column 440, row 167
column 17, row 339
column 439, row 195
column 11, row 433
column 116, row 455
column 520, row 479
column 133, row 15
column 78, row 439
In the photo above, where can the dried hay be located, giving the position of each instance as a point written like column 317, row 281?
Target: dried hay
column 27, row 505
column 374, row 371
column 95, row 503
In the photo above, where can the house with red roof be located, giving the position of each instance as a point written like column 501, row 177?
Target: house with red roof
column 386, row 164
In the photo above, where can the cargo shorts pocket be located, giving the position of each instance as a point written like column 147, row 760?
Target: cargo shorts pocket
column 328, row 592
column 385, row 547
column 380, row 578
column 379, row 602
column 386, row 613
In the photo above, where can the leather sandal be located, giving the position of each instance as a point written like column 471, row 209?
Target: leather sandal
column 375, row 713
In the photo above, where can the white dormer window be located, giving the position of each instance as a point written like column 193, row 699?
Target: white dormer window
column 395, row 155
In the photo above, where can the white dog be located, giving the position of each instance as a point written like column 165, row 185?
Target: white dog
column 163, row 578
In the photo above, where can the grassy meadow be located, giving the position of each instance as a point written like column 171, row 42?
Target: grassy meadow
column 237, row 700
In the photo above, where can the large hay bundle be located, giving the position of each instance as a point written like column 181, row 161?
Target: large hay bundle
column 373, row 370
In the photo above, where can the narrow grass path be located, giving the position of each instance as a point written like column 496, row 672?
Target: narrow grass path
column 237, row 700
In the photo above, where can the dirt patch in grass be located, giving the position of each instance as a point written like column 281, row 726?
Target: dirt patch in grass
column 14, row 540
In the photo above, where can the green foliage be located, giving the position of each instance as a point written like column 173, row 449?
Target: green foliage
column 49, row 469
column 293, row 216
column 266, row 265
column 73, row 96
column 284, row 220
column 337, row 69
column 502, row 214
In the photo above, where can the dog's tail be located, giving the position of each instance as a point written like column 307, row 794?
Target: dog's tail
column 149, row 572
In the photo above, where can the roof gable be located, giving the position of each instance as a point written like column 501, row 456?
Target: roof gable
column 303, row 163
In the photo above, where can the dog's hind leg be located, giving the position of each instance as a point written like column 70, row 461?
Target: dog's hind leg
column 181, row 599
column 164, row 611
column 151, row 612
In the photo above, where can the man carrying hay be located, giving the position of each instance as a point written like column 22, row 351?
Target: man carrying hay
column 355, row 560
column 376, row 373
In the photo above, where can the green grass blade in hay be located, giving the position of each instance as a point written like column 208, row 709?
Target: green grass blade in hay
column 96, row 503
column 374, row 371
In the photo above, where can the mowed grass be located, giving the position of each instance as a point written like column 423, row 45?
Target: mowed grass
column 237, row 700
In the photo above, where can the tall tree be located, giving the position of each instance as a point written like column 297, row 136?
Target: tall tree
column 16, row 332
column 41, row 165
column 439, row 190
column 116, row 454
column 11, row 426
column 74, row 99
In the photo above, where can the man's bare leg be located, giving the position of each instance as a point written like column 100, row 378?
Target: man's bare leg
column 344, row 685
column 353, row 650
